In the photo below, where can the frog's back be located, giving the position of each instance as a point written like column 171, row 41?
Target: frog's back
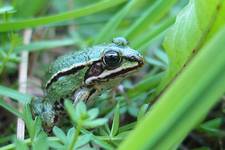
column 72, row 60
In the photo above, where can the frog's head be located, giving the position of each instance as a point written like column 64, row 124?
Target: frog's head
column 117, row 61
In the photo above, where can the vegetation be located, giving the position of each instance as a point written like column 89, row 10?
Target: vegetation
column 176, row 101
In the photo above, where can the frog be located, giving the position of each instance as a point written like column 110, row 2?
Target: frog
column 83, row 75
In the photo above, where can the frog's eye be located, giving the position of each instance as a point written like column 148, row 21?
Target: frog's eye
column 112, row 59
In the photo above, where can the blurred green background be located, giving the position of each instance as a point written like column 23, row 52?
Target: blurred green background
column 176, row 101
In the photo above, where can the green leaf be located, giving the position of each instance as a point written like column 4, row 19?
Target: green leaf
column 60, row 134
column 123, row 135
column 28, row 142
column 133, row 109
column 212, row 127
column 188, row 34
column 81, row 110
column 146, row 38
column 10, row 108
column 69, row 134
column 127, row 127
column 21, row 145
column 149, row 82
column 82, row 140
column 102, row 143
column 40, row 142
column 71, row 111
column 156, row 63
column 56, row 145
column 94, row 123
column 88, row 10
column 33, row 126
column 214, row 123
column 28, row 121
column 116, row 121
column 93, row 113
column 142, row 111
column 106, row 128
column 26, row 8
column 177, row 113
column 47, row 44
column 218, row 21
column 22, row 98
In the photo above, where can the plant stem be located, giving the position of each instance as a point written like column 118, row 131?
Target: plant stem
column 23, row 71
column 75, row 137
column 26, row 141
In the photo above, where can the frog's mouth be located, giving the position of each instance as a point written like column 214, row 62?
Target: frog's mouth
column 112, row 74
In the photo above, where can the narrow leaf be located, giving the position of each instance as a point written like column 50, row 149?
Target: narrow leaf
column 142, row 111
column 21, row 145
column 22, row 98
column 177, row 113
column 47, row 44
column 146, row 38
column 149, row 17
column 109, row 29
column 116, row 121
column 82, row 140
column 71, row 111
column 94, row 123
column 88, row 10
column 60, row 134
column 149, row 82
column 93, row 113
column 10, row 108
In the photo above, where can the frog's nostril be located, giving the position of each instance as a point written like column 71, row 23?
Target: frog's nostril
column 140, row 60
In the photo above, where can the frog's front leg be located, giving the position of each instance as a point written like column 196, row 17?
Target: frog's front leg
column 45, row 110
column 84, row 94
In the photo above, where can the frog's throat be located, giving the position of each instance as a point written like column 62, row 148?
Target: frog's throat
column 111, row 74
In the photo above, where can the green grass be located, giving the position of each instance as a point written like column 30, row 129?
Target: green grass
column 15, row 25
column 179, row 93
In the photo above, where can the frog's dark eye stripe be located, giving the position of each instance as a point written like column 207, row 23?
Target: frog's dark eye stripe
column 95, row 70
column 64, row 73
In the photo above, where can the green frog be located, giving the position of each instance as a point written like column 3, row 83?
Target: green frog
column 84, row 74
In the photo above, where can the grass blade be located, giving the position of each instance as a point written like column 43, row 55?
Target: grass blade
column 88, row 10
column 10, row 108
column 188, row 35
column 146, row 84
column 22, row 98
column 45, row 45
column 27, row 141
column 144, row 41
column 176, row 113
column 116, row 121
column 149, row 17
